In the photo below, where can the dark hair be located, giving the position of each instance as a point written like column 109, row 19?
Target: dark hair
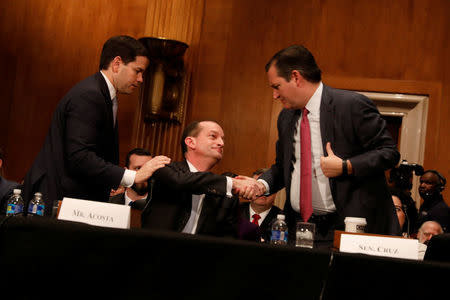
column 408, row 207
column 295, row 58
column 260, row 171
column 136, row 151
column 193, row 130
column 124, row 46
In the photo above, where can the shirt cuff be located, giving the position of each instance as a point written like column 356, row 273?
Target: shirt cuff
column 229, row 186
column 266, row 185
column 128, row 178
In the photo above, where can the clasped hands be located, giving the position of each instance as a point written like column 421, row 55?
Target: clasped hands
column 247, row 187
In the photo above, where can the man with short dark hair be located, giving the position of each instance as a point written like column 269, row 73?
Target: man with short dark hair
column 186, row 197
column 134, row 160
column 332, row 150
column 80, row 154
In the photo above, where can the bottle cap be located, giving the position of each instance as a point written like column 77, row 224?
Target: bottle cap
column 38, row 194
column 280, row 217
column 17, row 191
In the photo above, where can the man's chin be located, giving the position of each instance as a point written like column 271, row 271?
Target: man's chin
column 141, row 190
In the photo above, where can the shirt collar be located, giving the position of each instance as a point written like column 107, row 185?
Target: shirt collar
column 262, row 215
column 313, row 105
column 191, row 167
column 112, row 90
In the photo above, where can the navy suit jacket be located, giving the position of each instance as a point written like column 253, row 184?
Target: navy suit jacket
column 80, row 154
column 170, row 201
column 356, row 131
column 265, row 229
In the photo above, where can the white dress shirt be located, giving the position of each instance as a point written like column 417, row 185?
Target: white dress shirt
column 322, row 201
column 197, row 203
column 263, row 215
column 129, row 175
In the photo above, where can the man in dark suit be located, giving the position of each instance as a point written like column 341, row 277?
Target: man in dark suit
column 433, row 207
column 186, row 197
column 6, row 187
column 80, row 154
column 346, row 146
column 136, row 194
column 260, row 211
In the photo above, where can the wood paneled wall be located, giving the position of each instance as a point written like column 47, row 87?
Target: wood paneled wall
column 394, row 46
column 49, row 45
column 177, row 20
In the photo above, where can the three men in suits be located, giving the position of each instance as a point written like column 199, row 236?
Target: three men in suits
column 349, row 148
column 134, row 160
column 80, row 154
column 186, row 197
column 260, row 211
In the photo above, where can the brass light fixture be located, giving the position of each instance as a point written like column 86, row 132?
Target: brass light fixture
column 164, row 80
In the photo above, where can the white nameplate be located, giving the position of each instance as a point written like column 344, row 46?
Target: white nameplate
column 95, row 213
column 380, row 246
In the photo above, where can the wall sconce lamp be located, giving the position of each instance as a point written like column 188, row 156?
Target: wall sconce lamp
column 164, row 83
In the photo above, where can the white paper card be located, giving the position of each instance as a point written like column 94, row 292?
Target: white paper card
column 380, row 246
column 95, row 213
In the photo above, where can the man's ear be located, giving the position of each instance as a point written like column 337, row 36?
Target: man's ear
column 115, row 64
column 190, row 142
column 297, row 77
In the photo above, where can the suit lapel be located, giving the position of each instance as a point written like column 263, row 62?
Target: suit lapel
column 186, row 202
column 326, row 118
column 289, row 138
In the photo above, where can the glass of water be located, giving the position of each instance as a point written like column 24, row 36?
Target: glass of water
column 305, row 234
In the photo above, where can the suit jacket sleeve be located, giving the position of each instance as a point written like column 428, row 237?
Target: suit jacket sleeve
column 86, row 116
column 380, row 150
column 178, row 177
column 278, row 174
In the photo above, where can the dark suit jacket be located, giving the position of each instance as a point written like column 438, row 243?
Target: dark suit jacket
column 80, row 154
column 357, row 132
column 6, row 191
column 171, row 201
column 265, row 229
column 118, row 199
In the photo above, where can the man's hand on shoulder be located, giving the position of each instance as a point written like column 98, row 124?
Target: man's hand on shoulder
column 147, row 170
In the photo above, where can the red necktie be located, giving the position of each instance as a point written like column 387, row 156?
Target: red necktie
column 256, row 217
column 306, row 168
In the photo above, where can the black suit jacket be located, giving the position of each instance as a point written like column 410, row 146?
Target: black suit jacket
column 265, row 229
column 356, row 130
column 171, row 201
column 80, row 154
column 118, row 199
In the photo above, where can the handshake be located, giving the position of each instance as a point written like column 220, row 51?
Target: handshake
column 247, row 187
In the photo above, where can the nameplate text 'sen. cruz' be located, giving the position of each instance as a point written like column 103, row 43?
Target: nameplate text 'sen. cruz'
column 95, row 213
column 380, row 246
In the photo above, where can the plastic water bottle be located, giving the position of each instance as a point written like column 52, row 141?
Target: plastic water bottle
column 15, row 204
column 279, row 231
column 36, row 206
